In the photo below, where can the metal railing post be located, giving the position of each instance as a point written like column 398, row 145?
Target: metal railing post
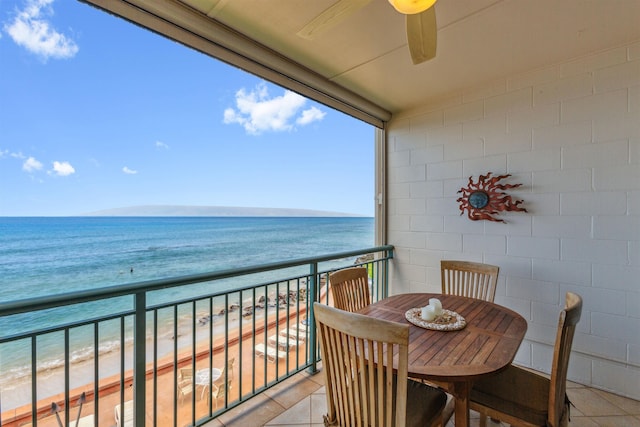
column 140, row 358
column 314, row 290
column 389, row 257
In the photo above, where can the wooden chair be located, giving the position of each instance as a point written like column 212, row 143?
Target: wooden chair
column 469, row 279
column 350, row 288
column 358, row 393
column 524, row 398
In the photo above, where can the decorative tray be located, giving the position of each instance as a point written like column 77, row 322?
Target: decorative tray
column 447, row 321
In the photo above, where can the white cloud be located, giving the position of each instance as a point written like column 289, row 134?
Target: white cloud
column 129, row 171
column 62, row 169
column 12, row 154
column 257, row 112
column 162, row 145
column 311, row 115
column 31, row 30
column 31, row 165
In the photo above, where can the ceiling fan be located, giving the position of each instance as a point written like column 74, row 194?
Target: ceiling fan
column 420, row 24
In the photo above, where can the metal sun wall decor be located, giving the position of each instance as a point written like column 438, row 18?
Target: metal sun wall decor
column 483, row 199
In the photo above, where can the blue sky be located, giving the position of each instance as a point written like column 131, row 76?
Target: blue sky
column 97, row 113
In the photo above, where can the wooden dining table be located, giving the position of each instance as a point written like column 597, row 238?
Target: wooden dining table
column 485, row 346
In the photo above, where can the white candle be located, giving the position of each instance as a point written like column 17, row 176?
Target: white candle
column 428, row 313
column 437, row 306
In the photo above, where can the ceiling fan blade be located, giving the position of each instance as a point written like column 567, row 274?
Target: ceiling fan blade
column 330, row 17
column 422, row 35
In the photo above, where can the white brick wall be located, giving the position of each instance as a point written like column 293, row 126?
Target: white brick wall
column 570, row 133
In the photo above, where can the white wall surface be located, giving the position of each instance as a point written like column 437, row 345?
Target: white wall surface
column 570, row 133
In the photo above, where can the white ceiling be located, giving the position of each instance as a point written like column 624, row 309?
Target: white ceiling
column 479, row 41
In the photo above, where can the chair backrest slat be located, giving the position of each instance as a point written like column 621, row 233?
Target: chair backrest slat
column 469, row 279
column 350, row 288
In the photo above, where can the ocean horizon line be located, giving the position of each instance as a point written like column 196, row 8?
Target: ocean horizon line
column 202, row 211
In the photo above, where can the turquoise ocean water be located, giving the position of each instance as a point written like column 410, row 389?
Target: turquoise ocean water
column 45, row 256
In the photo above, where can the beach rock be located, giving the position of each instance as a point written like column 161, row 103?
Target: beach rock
column 283, row 299
column 363, row 259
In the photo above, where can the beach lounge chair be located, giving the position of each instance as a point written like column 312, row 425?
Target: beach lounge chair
column 300, row 327
column 283, row 342
column 124, row 418
column 294, row 334
column 271, row 353
column 86, row 421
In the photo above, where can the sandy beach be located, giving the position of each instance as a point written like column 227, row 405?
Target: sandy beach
column 256, row 371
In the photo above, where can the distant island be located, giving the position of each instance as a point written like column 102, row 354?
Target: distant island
column 168, row 210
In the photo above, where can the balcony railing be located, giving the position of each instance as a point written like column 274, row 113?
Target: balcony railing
column 177, row 351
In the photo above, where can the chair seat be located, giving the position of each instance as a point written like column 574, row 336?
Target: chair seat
column 515, row 391
column 424, row 404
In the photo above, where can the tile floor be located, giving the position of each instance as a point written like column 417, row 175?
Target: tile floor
column 300, row 401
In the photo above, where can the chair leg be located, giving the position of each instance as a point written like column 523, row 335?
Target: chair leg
column 445, row 415
column 204, row 388
column 449, row 409
column 483, row 420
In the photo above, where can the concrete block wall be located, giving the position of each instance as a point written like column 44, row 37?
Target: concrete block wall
column 570, row 133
